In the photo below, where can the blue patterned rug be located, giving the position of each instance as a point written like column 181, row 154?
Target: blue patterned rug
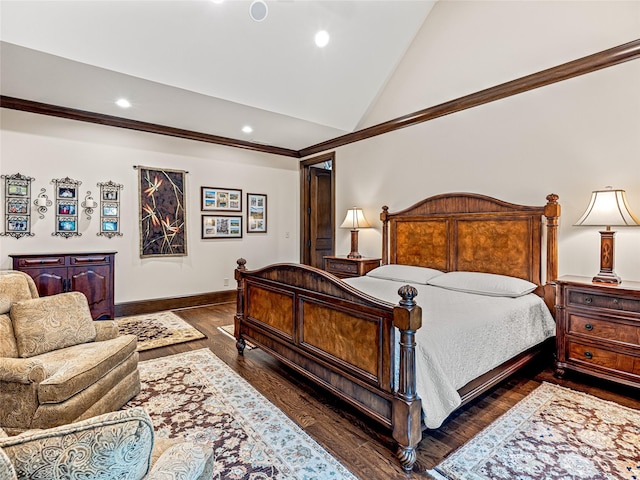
column 195, row 395
column 553, row 433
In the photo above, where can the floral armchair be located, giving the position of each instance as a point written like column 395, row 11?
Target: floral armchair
column 57, row 365
column 116, row 445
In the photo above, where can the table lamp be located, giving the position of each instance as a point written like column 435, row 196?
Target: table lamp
column 354, row 220
column 608, row 208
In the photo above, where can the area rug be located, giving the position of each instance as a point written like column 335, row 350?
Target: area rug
column 553, row 433
column 195, row 395
column 158, row 329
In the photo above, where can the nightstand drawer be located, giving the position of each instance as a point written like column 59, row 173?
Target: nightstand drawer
column 604, row 329
column 602, row 358
column 593, row 300
column 341, row 266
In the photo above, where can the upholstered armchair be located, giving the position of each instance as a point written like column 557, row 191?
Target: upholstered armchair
column 57, row 365
column 116, row 445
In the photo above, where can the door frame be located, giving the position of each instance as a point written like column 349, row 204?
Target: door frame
column 305, row 228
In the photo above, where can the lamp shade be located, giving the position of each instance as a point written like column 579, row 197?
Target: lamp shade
column 608, row 208
column 355, row 219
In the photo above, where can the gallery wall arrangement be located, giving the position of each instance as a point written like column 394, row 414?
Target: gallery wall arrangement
column 161, row 210
column 66, row 195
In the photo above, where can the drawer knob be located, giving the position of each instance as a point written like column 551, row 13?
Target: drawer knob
column 588, row 354
column 588, row 326
column 615, row 301
column 588, row 300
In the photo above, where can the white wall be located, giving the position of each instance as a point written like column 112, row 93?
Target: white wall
column 568, row 138
column 46, row 148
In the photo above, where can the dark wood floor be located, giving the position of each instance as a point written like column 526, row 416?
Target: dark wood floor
column 363, row 447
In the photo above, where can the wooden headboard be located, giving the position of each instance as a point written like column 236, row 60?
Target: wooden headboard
column 471, row 232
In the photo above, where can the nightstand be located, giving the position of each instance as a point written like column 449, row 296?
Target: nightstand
column 598, row 329
column 344, row 267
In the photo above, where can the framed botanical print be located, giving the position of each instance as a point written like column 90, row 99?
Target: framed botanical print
column 256, row 213
column 221, row 226
column 220, row 199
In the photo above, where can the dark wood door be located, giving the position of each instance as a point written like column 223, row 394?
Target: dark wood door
column 321, row 216
column 317, row 209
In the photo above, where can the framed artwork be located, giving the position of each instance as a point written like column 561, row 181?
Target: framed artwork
column 18, row 224
column 221, row 226
column 17, row 206
column 256, row 213
column 17, row 203
column 66, row 192
column 161, row 194
column 109, row 209
column 221, row 199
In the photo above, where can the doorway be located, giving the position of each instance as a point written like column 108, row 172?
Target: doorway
column 317, row 177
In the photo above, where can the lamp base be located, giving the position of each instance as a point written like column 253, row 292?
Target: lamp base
column 354, row 245
column 606, row 277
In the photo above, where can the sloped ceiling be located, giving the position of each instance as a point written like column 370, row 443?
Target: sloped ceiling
column 208, row 67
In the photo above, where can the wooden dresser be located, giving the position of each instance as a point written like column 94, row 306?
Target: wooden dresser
column 344, row 267
column 598, row 329
column 89, row 273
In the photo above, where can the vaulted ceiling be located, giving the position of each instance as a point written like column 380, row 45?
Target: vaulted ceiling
column 207, row 66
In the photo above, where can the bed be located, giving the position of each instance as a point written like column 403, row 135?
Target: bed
column 356, row 341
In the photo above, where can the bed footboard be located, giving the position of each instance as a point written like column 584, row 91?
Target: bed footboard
column 338, row 337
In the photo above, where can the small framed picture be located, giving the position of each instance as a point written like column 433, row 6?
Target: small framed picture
column 17, row 224
column 67, row 224
column 17, row 190
column 109, row 210
column 109, row 226
column 66, row 192
column 17, row 206
column 256, row 213
column 222, row 199
column 110, row 195
column 66, row 208
column 221, row 226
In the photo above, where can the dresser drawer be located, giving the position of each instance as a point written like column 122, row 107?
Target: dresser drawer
column 341, row 267
column 603, row 358
column 26, row 262
column 596, row 300
column 89, row 259
column 604, row 329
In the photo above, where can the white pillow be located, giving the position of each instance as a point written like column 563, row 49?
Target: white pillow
column 484, row 284
column 404, row 273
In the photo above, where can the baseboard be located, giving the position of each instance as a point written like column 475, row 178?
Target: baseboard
column 158, row 304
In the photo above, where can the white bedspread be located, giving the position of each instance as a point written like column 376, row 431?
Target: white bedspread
column 463, row 335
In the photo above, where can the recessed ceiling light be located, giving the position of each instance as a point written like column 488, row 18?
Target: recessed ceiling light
column 258, row 10
column 217, row 1
column 322, row 38
column 123, row 103
column 247, row 129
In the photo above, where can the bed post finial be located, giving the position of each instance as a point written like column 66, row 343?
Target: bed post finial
column 384, row 218
column 241, row 263
column 408, row 293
